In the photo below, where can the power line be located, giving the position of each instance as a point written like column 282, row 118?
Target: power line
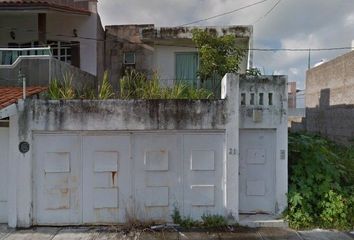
column 222, row 14
column 119, row 40
column 267, row 13
column 300, row 49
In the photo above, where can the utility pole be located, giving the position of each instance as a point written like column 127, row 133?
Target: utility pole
column 309, row 59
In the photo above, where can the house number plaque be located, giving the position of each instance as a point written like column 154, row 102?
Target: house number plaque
column 24, row 147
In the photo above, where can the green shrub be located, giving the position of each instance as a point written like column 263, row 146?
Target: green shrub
column 208, row 221
column 214, row 221
column 334, row 211
column 320, row 188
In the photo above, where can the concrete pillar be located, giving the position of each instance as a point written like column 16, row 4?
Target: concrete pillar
column 42, row 28
column 20, row 172
column 230, row 92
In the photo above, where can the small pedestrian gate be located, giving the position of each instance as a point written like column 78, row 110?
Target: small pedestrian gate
column 114, row 177
column 257, row 171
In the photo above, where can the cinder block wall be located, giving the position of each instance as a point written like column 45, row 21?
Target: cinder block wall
column 330, row 99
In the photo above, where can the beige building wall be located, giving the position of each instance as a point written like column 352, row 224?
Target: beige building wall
column 336, row 77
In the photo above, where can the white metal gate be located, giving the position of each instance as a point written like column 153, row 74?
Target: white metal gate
column 106, row 174
column 158, row 179
column 110, row 178
column 257, row 171
column 57, row 179
column 4, row 147
column 203, row 174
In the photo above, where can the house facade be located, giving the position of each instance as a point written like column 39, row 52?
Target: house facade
column 72, row 29
column 167, row 51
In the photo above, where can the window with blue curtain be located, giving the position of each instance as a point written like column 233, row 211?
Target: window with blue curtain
column 187, row 67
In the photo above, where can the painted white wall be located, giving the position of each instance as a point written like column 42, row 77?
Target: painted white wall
column 274, row 118
column 164, row 61
column 24, row 25
column 21, row 195
column 4, row 149
column 60, row 24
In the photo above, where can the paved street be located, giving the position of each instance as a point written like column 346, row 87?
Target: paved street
column 106, row 233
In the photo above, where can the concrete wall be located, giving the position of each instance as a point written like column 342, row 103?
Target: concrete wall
column 152, row 116
column 40, row 71
column 330, row 99
column 117, row 115
column 268, row 116
column 4, row 162
column 336, row 75
column 121, row 39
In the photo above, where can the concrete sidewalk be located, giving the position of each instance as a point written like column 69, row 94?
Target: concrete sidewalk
column 107, row 233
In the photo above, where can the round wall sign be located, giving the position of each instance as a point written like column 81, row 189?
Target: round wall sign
column 24, row 147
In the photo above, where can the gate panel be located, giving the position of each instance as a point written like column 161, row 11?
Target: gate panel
column 57, row 176
column 158, row 180
column 257, row 171
column 203, row 174
column 4, row 148
column 107, row 178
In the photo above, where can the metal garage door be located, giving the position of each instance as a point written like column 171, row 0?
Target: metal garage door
column 257, row 171
column 106, row 178
column 57, row 178
column 86, row 178
column 158, row 179
column 4, row 147
column 203, row 174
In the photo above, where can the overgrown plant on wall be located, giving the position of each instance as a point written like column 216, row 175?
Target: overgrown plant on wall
column 135, row 85
column 62, row 90
column 218, row 54
column 321, row 183
column 105, row 89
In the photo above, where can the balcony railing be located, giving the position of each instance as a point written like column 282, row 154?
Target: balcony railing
column 8, row 56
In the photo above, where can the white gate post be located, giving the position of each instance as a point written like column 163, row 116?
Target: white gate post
column 230, row 92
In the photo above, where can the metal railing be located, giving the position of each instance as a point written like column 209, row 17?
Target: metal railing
column 9, row 56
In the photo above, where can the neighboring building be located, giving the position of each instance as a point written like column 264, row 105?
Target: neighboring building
column 292, row 94
column 71, row 28
column 330, row 98
column 94, row 162
column 168, row 51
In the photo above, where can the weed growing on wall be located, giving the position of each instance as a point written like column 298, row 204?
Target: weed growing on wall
column 135, row 85
column 320, row 183
column 208, row 221
column 105, row 89
column 62, row 90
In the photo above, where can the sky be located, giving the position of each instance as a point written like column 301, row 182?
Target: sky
column 291, row 24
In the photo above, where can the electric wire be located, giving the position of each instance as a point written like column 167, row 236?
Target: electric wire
column 222, row 14
column 120, row 40
column 267, row 13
